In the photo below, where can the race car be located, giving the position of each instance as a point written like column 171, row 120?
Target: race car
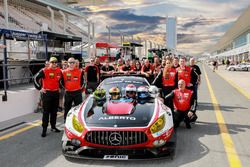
column 121, row 129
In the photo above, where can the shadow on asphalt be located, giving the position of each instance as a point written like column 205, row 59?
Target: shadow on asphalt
column 189, row 146
column 209, row 107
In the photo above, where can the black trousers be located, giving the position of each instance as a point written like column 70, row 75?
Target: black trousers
column 70, row 98
column 50, row 101
column 166, row 90
column 92, row 86
column 180, row 116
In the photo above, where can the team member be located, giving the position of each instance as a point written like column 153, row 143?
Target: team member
column 137, row 68
column 126, row 69
column 47, row 81
column 72, row 82
column 147, row 70
column 186, row 73
column 92, row 76
column 184, row 104
column 156, row 66
column 176, row 62
column 106, row 69
column 119, row 65
column 197, row 78
column 98, row 63
column 167, row 80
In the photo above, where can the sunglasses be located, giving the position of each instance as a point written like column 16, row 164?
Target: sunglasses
column 114, row 93
column 72, row 62
column 130, row 92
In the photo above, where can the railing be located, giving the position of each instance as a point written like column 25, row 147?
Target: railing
column 27, row 76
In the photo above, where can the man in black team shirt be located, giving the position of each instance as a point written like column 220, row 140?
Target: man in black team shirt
column 92, row 76
column 107, row 69
column 98, row 63
column 197, row 78
column 126, row 69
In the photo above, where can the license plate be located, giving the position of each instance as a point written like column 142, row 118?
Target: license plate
column 116, row 157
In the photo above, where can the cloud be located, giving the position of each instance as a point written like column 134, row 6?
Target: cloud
column 128, row 15
column 200, row 24
column 187, row 38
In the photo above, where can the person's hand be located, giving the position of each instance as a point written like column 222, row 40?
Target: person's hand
column 161, row 99
column 147, row 75
column 43, row 90
column 189, row 85
column 190, row 114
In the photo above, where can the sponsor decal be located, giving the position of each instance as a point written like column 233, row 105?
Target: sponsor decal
column 118, row 117
column 51, row 75
column 116, row 157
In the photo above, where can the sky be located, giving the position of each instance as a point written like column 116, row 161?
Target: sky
column 200, row 23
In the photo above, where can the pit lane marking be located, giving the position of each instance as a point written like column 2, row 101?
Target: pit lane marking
column 242, row 91
column 31, row 125
column 232, row 155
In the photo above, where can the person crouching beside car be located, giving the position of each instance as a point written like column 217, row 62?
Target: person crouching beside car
column 184, row 105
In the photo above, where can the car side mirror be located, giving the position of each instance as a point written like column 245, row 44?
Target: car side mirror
column 153, row 91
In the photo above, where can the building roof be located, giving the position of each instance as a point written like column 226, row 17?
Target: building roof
column 61, row 7
column 240, row 26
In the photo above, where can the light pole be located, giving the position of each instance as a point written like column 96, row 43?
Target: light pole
column 109, row 31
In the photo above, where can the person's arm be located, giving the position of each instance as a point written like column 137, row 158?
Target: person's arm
column 62, row 83
column 193, row 76
column 38, row 79
column 98, row 76
column 176, row 80
column 158, row 80
column 192, row 104
column 82, row 80
column 102, row 70
column 86, row 74
column 199, row 75
column 170, row 96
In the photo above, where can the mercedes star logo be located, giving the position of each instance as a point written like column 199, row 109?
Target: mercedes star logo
column 115, row 138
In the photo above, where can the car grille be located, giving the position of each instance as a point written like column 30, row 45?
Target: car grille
column 116, row 138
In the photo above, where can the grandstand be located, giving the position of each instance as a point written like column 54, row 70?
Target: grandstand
column 28, row 15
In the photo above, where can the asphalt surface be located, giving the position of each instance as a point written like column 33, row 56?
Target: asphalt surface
column 203, row 145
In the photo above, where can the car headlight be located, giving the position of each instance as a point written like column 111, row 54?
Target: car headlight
column 77, row 125
column 158, row 125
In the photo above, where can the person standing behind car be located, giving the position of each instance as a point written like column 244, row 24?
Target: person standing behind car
column 184, row 104
column 47, row 81
column 126, row 69
column 147, row 70
column 107, row 69
column 72, row 82
column 176, row 62
column 167, row 80
column 91, row 76
column 186, row 73
column 197, row 78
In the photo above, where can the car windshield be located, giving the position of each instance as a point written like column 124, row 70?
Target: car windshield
column 122, row 82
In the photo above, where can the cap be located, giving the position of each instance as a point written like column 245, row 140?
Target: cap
column 52, row 59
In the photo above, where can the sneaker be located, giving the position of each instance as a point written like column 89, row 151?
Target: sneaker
column 55, row 130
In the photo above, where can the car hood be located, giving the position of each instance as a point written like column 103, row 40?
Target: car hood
column 122, row 114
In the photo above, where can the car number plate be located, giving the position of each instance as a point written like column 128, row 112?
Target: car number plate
column 116, row 157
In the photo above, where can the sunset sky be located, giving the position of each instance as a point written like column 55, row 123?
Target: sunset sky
column 200, row 23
